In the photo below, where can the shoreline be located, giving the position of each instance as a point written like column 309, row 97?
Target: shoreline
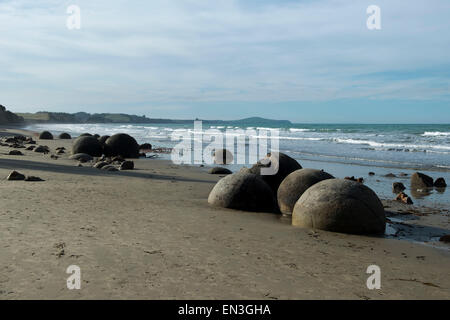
column 149, row 233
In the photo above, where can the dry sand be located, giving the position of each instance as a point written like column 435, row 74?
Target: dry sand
column 150, row 234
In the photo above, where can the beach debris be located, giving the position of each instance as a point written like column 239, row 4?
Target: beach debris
column 295, row 184
column 223, row 156
column 82, row 157
column 145, row 147
column 33, row 178
column 87, row 145
column 340, row 205
column 398, row 187
column 445, row 238
column 243, row 191
column 102, row 139
column 371, row 173
column 14, row 176
column 42, row 149
column 15, row 153
column 440, row 183
column 45, row 135
column 127, row 165
column 30, row 147
column 121, row 144
column 100, row 164
column 281, row 163
column 390, row 175
column 64, row 135
column 421, row 181
column 403, row 197
column 219, row 170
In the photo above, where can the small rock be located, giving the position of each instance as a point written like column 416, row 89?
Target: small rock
column 127, row 165
column 42, row 149
column 82, row 157
column 15, row 153
column 118, row 159
column 55, row 157
column 109, row 168
column 421, row 181
column 100, row 164
column 390, row 175
column 440, row 183
column 30, row 148
column 33, row 178
column 60, row 152
column 219, row 170
column 398, row 187
column 14, row 175
column 371, row 173
column 445, row 238
column 403, row 197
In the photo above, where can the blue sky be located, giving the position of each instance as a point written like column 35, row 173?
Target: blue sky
column 307, row 61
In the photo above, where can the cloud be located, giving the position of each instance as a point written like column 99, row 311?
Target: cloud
column 163, row 52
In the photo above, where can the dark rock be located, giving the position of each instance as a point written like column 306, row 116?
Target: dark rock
column 445, row 238
column 371, row 173
column 88, row 145
column 65, row 135
column 82, row 157
column 42, row 149
column 403, row 197
column 398, row 187
column 282, row 164
column 390, row 175
column 117, row 159
column 244, row 191
column 85, row 135
column 109, row 168
column 30, row 147
column 55, row 157
column 440, row 183
column 103, row 139
column 100, row 164
column 45, row 135
column 145, row 146
column 33, row 178
column 121, row 144
column 341, row 206
column 421, row 181
column 60, row 151
column 219, row 170
column 14, row 175
column 15, row 153
column 127, row 165
column 96, row 136
column 295, row 184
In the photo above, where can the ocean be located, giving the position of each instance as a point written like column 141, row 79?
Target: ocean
column 341, row 149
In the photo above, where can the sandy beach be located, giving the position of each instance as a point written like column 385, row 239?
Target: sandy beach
column 149, row 233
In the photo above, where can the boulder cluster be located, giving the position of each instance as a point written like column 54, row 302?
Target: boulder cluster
column 313, row 198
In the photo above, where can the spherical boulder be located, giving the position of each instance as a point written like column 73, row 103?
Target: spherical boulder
column 145, row 147
column 223, row 156
column 127, row 165
column 278, row 163
column 122, row 144
column 88, row 145
column 243, row 191
column 421, row 181
column 440, row 183
column 340, row 205
column 103, row 139
column 45, row 135
column 295, row 184
column 86, row 134
column 65, row 135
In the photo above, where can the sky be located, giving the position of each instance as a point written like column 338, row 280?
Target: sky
column 301, row 60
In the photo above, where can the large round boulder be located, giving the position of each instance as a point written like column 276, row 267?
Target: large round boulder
column 340, row 205
column 121, row 144
column 282, row 166
column 295, row 184
column 45, row 135
column 243, row 191
column 65, row 135
column 88, row 145
column 421, row 181
column 103, row 139
column 223, row 156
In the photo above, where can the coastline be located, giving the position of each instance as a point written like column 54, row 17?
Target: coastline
column 150, row 234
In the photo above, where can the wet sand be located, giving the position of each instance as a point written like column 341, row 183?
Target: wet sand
column 150, row 234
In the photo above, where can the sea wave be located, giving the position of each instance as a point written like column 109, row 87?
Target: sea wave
column 435, row 134
column 392, row 145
